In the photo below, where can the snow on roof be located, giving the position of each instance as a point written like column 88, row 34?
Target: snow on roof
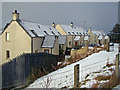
column 73, row 30
column 39, row 29
column 48, row 41
column 77, row 38
column 86, row 38
column 98, row 33
column 62, row 39
column 106, row 37
column 100, row 37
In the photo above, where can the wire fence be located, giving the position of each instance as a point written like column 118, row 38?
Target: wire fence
column 64, row 78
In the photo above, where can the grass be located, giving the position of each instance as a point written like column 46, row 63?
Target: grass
column 101, row 77
column 112, row 82
column 95, row 85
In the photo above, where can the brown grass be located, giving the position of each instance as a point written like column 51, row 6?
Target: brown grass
column 112, row 82
column 95, row 85
column 101, row 77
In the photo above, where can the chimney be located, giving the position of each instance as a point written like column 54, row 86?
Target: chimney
column 53, row 24
column 89, row 29
column 71, row 24
column 15, row 15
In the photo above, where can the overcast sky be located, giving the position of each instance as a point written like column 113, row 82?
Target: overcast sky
column 98, row 15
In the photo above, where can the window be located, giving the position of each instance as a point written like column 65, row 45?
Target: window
column 59, row 33
column 7, row 54
column 53, row 33
column 34, row 33
column 80, row 34
column 7, row 36
column 39, row 26
column 69, row 33
column 46, row 50
column 46, row 33
column 70, row 43
column 73, row 32
column 75, row 43
column 60, row 47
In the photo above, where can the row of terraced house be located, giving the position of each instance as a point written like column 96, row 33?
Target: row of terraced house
column 22, row 36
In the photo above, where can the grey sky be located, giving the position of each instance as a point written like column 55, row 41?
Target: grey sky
column 99, row 15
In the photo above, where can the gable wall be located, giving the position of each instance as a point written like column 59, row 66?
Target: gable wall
column 19, row 43
column 60, row 30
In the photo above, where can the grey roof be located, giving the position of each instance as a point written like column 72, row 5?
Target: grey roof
column 35, row 29
column 62, row 39
column 48, row 41
column 73, row 30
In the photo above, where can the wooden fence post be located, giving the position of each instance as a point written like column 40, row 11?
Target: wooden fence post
column 108, row 46
column 117, row 67
column 76, row 76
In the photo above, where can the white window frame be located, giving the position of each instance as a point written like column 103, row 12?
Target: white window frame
column 7, row 36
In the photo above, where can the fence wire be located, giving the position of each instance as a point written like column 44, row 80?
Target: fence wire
column 66, row 78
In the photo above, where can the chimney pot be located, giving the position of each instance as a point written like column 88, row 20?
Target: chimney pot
column 53, row 24
column 71, row 24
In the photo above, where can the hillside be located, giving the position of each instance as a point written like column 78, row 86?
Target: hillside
column 64, row 77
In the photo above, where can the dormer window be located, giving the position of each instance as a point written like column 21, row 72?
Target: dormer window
column 46, row 33
column 34, row 33
column 69, row 33
column 73, row 32
column 59, row 33
column 50, row 28
column 7, row 36
column 39, row 26
column 53, row 33
column 80, row 34
column 77, row 33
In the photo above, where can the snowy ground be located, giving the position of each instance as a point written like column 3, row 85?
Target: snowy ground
column 64, row 77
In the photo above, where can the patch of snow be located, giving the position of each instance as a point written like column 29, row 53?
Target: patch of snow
column 72, row 49
column 67, row 56
column 100, row 37
column 106, row 37
column 116, row 47
column 58, row 63
column 90, row 47
column 102, row 46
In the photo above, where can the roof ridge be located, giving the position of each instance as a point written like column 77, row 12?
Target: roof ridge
column 36, row 23
column 32, row 22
